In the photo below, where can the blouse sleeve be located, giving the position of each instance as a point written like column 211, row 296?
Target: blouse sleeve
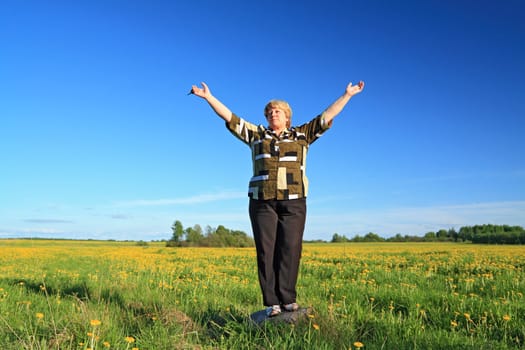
column 243, row 130
column 314, row 128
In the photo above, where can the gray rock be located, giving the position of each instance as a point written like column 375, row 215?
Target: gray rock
column 292, row 317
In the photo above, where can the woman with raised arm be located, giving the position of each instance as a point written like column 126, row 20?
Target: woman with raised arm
column 278, row 188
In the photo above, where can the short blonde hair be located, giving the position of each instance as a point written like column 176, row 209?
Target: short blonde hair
column 281, row 105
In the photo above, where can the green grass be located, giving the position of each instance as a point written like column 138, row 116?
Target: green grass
column 117, row 295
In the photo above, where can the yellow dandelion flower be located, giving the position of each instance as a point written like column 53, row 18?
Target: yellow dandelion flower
column 358, row 344
column 506, row 318
column 106, row 344
column 316, row 326
column 39, row 315
column 129, row 339
column 467, row 316
column 95, row 323
column 453, row 323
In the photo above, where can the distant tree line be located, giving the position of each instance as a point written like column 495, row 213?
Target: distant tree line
column 210, row 237
column 489, row 234
column 498, row 234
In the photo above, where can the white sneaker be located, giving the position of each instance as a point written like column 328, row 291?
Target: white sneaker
column 273, row 310
column 291, row 307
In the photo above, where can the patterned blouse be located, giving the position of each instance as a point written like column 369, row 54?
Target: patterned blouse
column 279, row 162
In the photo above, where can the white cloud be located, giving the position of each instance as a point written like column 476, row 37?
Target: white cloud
column 47, row 221
column 416, row 220
column 31, row 232
column 120, row 217
column 197, row 199
column 320, row 224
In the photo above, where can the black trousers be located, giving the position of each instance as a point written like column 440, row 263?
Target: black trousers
column 278, row 228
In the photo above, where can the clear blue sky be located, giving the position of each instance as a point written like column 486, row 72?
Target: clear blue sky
column 98, row 138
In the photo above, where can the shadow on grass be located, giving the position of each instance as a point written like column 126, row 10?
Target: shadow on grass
column 223, row 324
column 78, row 290
column 210, row 325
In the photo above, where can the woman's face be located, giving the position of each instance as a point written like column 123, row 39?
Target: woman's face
column 276, row 118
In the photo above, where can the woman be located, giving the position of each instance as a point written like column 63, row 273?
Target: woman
column 278, row 189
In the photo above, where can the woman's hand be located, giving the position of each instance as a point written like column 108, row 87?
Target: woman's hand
column 352, row 90
column 204, row 92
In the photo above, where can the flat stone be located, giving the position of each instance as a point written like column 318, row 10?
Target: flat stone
column 292, row 317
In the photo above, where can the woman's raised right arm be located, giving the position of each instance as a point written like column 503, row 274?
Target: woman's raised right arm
column 217, row 106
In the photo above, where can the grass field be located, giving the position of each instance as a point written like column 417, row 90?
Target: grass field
column 118, row 295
